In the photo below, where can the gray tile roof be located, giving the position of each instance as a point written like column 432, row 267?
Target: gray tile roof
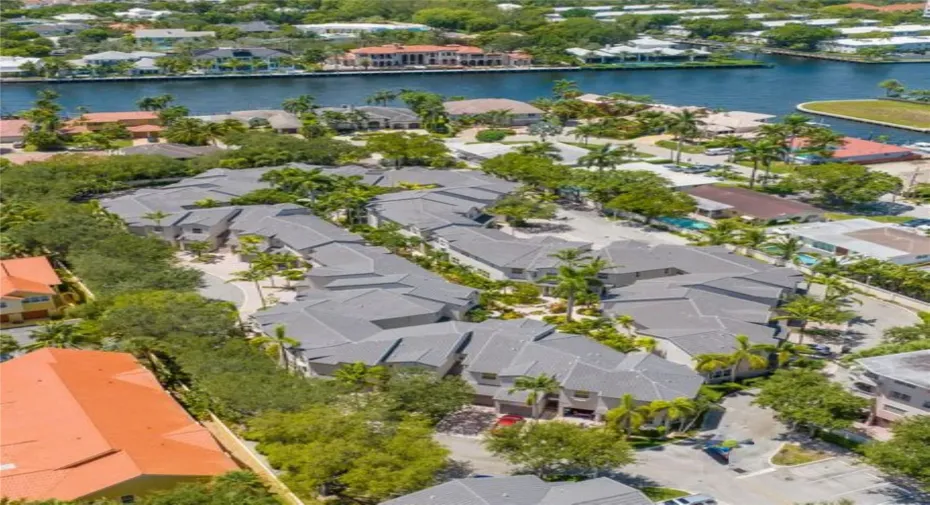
column 176, row 151
column 501, row 250
column 524, row 490
column 291, row 225
column 378, row 113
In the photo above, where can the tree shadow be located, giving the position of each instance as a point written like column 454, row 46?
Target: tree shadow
column 545, row 227
column 456, row 469
column 468, row 421
column 637, row 481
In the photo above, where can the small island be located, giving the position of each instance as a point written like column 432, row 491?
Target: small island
column 901, row 108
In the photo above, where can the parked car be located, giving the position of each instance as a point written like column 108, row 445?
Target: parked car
column 913, row 223
column 718, row 151
column 508, row 420
column 821, row 350
column 697, row 169
column 695, row 499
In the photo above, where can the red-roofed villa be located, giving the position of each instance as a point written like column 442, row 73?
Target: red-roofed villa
column 860, row 152
column 453, row 55
column 28, row 289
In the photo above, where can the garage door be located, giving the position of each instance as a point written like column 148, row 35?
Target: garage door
column 522, row 410
column 486, row 400
column 35, row 314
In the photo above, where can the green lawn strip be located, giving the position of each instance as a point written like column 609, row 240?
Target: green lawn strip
column 685, row 148
column 779, row 167
column 662, row 493
column 791, row 454
column 903, row 113
column 842, row 216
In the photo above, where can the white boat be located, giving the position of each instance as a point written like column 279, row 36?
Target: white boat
column 923, row 147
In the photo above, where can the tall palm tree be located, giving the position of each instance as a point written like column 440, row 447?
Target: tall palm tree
column 276, row 345
column 60, row 335
column 627, row 322
column 585, row 131
column 786, row 248
column 806, row 310
column 675, row 409
column 711, row 362
column 571, row 279
column 762, row 153
column 299, row 105
column 752, row 238
column 157, row 216
column 601, row 157
column 254, row 275
column 785, row 351
column 189, row 131
column 537, row 390
column 627, row 415
column 381, row 97
column 753, row 355
column 565, row 89
column 684, row 125
column 359, row 376
column 541, row 149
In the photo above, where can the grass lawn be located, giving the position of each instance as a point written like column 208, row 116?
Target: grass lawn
column 662, row 493
column 779, row 167
column 590, row 147
column 791, row 454
column 685, row 148
column 903, row 113
column 841, row 216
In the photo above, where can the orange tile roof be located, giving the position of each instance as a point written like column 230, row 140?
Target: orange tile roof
column 110, row 117
column 397, row 48
column 27, row 275
column 145, row 128
column 76, row 422
column 884, row 8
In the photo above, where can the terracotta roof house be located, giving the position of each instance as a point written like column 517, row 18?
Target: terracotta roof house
column 860, row 152
column 140, row 123
column 86, row 424
column 11, row 130
column 452, row 55
column 885, row 8
column 28, row 289
column 720, row 202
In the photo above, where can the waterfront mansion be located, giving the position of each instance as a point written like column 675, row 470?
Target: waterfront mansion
column 453, row 55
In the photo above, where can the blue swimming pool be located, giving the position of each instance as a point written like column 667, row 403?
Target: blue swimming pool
column 686, row 223
column 807, row 259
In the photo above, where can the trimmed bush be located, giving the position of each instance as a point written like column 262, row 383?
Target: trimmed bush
column 492, row 135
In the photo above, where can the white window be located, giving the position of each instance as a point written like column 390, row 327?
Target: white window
column 900, row 396
column 582, row 395
column 489, row 376
column 893, row 409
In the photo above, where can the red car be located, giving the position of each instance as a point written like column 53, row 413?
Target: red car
column 508, row 420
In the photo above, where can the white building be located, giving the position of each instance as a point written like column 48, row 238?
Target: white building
column 10, row 65
column 899, row 384
column 353, row 30
column 140, row 13
column 814, row 22
column 863, row 238
column 897, row 44
column 899, row 30
column 166, row 38
column 74, row 16
column 568, row 154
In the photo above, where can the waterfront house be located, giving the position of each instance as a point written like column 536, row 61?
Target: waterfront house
column 166, row 38
column 477, row 152
column 518, row 113
column 639, row 50
column 863, row 238
column 251, row 59
column 374, row 117
column 279, row 121
column 141, row 124
column 912, row 44
column 116, row 57
column 29, row 289
column 733, row 122
column 858, row 151
column 87, row 425
column 12, row 65
column 898, row 384
column 452, row 55
column 530, row 490
column 724, row 202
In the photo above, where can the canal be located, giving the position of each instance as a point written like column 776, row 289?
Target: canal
column 769, row 90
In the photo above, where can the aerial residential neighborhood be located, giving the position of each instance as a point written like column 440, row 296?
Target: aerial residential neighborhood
column 523, row 253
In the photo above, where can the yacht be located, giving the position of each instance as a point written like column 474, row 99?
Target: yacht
column 923, row 147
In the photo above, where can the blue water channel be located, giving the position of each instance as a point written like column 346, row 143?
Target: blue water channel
column 770, row 90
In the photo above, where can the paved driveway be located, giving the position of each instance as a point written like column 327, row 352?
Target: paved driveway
column 588, row 226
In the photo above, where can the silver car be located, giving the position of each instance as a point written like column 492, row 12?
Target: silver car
column 695, row 499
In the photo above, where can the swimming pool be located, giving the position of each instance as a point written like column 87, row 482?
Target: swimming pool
column 686, row 223
column 807, row 259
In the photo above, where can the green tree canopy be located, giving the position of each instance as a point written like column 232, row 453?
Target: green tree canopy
column 907, row 453
column 804, row 397
column 841, row 184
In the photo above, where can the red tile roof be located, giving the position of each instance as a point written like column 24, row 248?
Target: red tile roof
column 754, row 204
column 12, row 127
column 27, row 275
column 853, row 148
column 145, row 128
column 77, row 422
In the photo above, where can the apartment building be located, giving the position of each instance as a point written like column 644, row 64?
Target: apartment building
column 899, row 384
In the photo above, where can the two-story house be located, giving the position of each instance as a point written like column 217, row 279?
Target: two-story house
column 223, row 59
column 141, row 123
column 29, row 290
column 898, row 383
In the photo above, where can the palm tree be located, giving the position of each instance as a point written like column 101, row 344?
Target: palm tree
column 627, row 415
column 673, row 410
column 198, row 248
column 156, row 216
column 806, row 310
column 154, row 103
column 892, row 87
column 565, row 89
column 537, row 390
column 276, row 345
column 541, row 149
column 647, row 344
column 785, row 351
column 712, row 362
column 731, row 142
column 747, row 352
column 571, row 278
column 189, row 131
column 627, row 323
column 684, row 125
column 253, row 275
column 299, row 105
column 602, row 156
column 762, row 153
column 752, row 238
column 60, row 335
column 786, row 248
column 359, row 376
column 381, row 97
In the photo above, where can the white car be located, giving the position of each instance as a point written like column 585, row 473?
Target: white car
column 695, row 499
column 718, row 151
